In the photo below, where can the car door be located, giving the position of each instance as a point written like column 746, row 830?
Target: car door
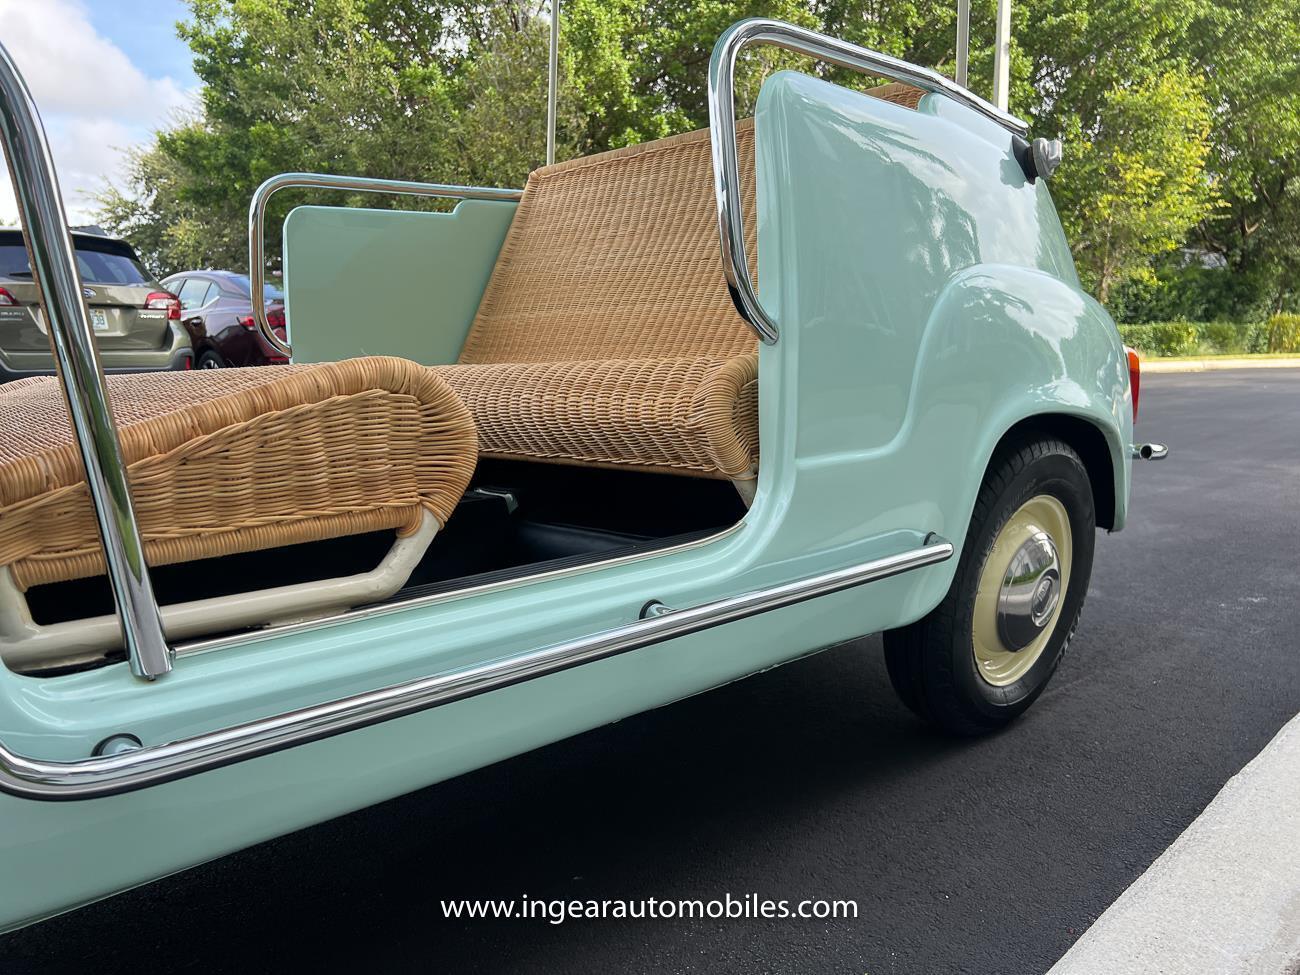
column 192, row 292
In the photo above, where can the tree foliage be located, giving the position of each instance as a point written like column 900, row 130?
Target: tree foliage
column 1181, row 117
column 1138, row 184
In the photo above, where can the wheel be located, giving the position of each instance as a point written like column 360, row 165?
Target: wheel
column 210, row 360
column 985, row 653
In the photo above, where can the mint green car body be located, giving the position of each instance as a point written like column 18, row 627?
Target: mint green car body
column 928, row 305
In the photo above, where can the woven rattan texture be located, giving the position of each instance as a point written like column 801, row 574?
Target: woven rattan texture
column 898, row 93
column 606, row 335
column 695, row 416
column 235, row 460
column 615, row 256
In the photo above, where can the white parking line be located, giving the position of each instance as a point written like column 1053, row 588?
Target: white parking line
column 1225, row 897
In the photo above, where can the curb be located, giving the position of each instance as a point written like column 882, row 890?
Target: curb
column 1225, row 896
column 1208, row 365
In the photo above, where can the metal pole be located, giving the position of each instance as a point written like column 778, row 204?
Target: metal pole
column 552, row 81
column 54, row 269
column 963, row 43
column 1002, row 56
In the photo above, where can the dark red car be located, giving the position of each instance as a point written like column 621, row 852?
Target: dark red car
column 216, row 311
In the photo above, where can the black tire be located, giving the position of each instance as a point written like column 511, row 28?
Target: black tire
column 211, row 360
column 932, row 662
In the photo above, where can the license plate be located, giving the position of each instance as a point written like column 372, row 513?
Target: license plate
column 98, row 320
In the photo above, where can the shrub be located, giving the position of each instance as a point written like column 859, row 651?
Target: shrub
column 1283, row 333
column 1183, row 291
column 1162, row 338
column 1222, row 338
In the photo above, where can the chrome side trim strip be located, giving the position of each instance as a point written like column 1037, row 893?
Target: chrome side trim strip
column 722, row 130
column 357, row 184
column 127, row 771
column 54, row 269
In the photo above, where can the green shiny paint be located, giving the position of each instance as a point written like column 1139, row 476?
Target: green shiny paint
column 388, row 282
column 926, row 303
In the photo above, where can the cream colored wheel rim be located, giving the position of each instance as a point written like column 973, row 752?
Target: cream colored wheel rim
column 996, row 662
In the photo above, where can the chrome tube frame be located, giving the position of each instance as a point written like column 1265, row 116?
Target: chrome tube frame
column 1002, row 56
column 126, row 771
column 722, row 131
column 552, row 81
column 356, row 184
column 54, row 269
column 963, row 43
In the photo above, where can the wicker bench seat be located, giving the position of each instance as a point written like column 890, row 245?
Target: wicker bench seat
column 225, row 462
column 606, row 335
column 689, row 415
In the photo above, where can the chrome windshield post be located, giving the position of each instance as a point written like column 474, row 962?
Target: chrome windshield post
column 54, row 269
column 722, row 130
column 356, row 184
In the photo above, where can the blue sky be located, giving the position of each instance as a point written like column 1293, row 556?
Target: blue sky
column 105, row 74
column 146, row 31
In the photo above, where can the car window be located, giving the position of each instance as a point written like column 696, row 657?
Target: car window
column 212, row 292
column 99, row 261
column 98, row 267
column 245, row 286
column 13, row 261
column 174, row 285
column 193, row 293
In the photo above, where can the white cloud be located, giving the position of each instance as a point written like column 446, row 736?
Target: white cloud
column 94, row 101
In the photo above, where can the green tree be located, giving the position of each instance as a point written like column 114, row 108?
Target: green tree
column 1137, row 183
column 1249, row 56
column 1162, row 103
column 398, row 89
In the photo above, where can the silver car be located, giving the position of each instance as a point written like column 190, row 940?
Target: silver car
column 137, row 322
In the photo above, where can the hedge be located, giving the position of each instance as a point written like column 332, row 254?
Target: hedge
column 1281, row 333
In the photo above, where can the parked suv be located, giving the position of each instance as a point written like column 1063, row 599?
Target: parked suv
column 217, row 311
column 136, row 322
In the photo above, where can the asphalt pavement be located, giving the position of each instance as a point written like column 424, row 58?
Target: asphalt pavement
column 811, row 781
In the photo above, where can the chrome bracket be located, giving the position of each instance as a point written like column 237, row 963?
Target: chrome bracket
column 654, row 609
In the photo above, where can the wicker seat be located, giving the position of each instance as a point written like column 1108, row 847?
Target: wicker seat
column 606, row 335
column 231, row 461
column 234, row 461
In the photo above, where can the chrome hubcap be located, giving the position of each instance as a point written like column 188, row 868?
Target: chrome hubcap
column 1030, row 591
column 1022, row 588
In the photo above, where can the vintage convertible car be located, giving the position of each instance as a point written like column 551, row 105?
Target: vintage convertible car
column 575, row 467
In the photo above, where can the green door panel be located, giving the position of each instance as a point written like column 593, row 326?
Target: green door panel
column 71, row 853
column 388, row 282
column 926, row 303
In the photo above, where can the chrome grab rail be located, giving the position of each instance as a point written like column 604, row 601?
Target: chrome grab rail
column 54, row 269
column 722, row 131
column 126, row 771
column 357, row 184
